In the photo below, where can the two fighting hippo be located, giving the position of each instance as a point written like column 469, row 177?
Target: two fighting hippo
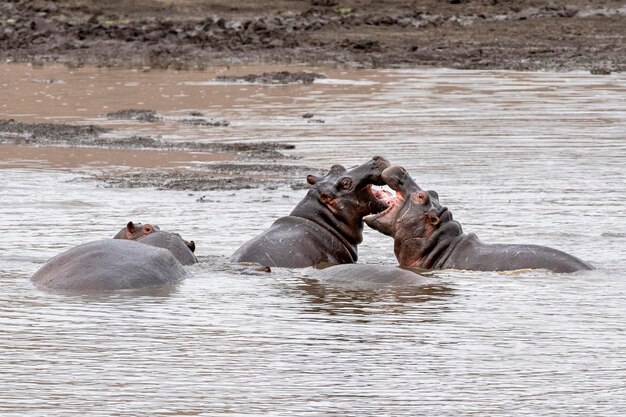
column 327, row 226
column 324, row 228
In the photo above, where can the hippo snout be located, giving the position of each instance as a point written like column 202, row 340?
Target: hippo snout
column 394, row 176
column 378, row 165
column 399, row 179
column 380, row 162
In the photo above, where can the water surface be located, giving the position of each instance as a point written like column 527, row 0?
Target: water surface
column 517, row 157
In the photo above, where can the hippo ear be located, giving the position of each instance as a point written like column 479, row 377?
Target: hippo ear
column 311, row 179
column 130, row 230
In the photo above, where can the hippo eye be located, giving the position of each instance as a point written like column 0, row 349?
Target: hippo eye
column 422, row 197
column 346, row 183
column 147, row 229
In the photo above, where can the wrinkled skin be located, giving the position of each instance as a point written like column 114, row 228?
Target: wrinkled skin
column 326, row 226
column 426, row 236
column 155, row 258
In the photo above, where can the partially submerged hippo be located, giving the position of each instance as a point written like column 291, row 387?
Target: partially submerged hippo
column 152, row 235
column 115, row 264
column 426, row 236
column 369, row 276
column 326, row 226
column 179, row 247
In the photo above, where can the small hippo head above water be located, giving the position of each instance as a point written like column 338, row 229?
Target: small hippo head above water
column 414, row 217
column 134, row 231
column 153, row 235
column 347, row 194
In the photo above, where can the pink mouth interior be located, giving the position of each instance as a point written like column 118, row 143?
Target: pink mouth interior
column 387, row 198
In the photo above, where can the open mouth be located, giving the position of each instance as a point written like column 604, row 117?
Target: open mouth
column 383, row 196
column 387, row 199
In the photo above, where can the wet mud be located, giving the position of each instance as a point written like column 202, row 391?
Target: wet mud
column 205, row 122
column 47, row 134
column 279, row 77
column 151, row 116
column 101, row 159
column 210, row 177
column 134, row 114
column 478, row 34
column 258, row 164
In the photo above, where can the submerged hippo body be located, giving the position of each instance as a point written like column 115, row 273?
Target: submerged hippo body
column 109, row 264
column 426, row 236
column 138, row 256
column 369, row 276
column 326, row 226
column 152, row 235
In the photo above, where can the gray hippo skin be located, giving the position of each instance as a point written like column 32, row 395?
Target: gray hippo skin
column 369, row 276
column 326, row 226
column 180, row 248
column 109, row 264
column 425, row 236
column 138, row 256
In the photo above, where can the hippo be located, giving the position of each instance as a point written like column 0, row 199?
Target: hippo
column 426, row 236
column 364, row 276
column 179, row 247
column 152, row 235
column 326, row 226
column 116, row 264
column 134, row 231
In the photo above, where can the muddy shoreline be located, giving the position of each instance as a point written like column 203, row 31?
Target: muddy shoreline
column 464, row 34
column 233, row 166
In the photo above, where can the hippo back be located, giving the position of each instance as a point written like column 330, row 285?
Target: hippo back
column 369, row 276
column 294, row 242
column 172, row 242
column 109, row 264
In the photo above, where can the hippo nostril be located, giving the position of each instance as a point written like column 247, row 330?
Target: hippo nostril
column 444, row 214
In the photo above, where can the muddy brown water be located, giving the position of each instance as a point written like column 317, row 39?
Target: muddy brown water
column 517, row 157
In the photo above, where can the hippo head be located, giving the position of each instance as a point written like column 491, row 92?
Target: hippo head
column 134, row 231
column 414, row 218
column 182, row 249
column 347, row 193
column 189, row 243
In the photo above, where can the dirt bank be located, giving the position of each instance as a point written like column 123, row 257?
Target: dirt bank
column 143, row 161
column 55, row 134
column 495, row 34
